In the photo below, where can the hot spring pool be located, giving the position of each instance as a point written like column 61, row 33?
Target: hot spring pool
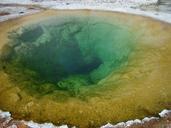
column 84, row 68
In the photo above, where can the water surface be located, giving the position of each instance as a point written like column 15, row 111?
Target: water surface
column 84, row 68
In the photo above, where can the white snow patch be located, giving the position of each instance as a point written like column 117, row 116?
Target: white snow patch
column 121, row 124
column 129, row 123
column 126, row 6
column 108, row 125
column 164, row 113
column 147, row 119
column 15, row 12
column 4, row 114
column 44, row 125
column 112, row 7
column 16, row 1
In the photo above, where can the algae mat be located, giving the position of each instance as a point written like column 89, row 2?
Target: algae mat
column 84, row 68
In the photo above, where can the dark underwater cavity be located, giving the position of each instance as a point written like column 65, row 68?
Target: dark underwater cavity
column 67, row 55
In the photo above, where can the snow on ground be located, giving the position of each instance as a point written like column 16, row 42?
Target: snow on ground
column 126, row 6
column 164, row 113
column 11, row 12
column 4, row 114
column 45, row 125
column 101, row 1
column 16, row 1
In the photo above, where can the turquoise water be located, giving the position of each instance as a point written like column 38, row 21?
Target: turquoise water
column 67, row 54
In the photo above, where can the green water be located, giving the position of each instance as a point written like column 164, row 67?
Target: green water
column 66, row 54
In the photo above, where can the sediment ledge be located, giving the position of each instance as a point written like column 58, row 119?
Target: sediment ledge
column 162, row 121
